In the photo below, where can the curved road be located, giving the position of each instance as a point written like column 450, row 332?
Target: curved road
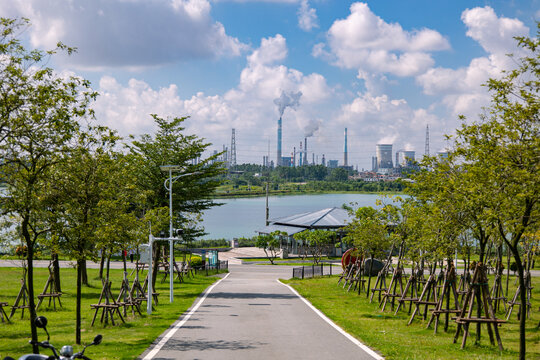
column 250, row 315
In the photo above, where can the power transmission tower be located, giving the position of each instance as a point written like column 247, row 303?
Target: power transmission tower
column 233, row 149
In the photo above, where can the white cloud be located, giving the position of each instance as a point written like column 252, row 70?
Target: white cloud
column 494, row 34
column 248, row 107
column 366, row 42
column 118, row 33
column 307, row 17
column 462, row 88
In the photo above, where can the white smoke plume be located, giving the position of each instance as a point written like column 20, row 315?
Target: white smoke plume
column 311, row 127
column 291, row 100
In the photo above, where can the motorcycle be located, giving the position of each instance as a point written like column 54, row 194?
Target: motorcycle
column 65, row 353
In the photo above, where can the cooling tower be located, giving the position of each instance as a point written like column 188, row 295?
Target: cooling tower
column 384, row 156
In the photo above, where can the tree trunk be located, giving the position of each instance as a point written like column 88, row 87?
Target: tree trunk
column 101, row 263
column 56, row 271
column 30, row 287
column 124, row 259
column 369, row 276
column 156, row 264
column 523, row 306
column 109, row 266
column 78, row 302
column 30, row 280
column 84, row 273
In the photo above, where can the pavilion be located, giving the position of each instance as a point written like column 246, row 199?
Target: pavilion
column 326, row 219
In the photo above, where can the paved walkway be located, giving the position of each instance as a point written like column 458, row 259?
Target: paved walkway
column 250, row 315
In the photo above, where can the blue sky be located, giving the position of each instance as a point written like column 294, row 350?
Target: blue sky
column 384, row 69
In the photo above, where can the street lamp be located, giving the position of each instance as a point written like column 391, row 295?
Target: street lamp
column 170, row 181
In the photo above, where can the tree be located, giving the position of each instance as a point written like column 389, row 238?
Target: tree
column 90, row 196
column 369, row 232
column 319, row 242
column 191, row 194
column 503, row 149
column 38, row 118
column 490, row 182
column 270, row 244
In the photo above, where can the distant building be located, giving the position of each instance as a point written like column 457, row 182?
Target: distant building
column 287, row 161
column 332, row 164
column 406, row 158
column 384, row 156
column 374, row 163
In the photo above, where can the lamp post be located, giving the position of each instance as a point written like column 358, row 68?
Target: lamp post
column 171, row 180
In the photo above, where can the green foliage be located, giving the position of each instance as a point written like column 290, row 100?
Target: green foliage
column 171, row 146
column 319, row 242
column 270, row 243
column 369, row 232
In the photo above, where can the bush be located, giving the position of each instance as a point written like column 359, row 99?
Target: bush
column 196, row 262
column 247, row 242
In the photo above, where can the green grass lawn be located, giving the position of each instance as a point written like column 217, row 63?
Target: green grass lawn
column 125, row 341
column 390, row 336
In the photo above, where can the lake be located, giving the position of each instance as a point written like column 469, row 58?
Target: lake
column 241, row 217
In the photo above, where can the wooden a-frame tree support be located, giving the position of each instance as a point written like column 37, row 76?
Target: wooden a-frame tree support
column 448, row 288
column 397, row 277
column 528, row 289
column 478, row 297
column 429, row 295
column 155, row 295
column 23, row 295
column 136, row 292
column 380, row 284
column 108, row 307
column 126, row 298
column 346, row 272
column 497, row 293
column 358, row 282
column 410, row 294
column 50, row 291
column 465, row 278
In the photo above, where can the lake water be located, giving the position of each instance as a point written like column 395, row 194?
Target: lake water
column 241, row 217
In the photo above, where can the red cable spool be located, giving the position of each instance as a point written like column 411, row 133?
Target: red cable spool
column 349, row 257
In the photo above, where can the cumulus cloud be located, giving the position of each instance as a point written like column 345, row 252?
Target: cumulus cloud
column 307, row 17
column 366, row 42
column 461, row 89
column 380, row 119
column 118, row 33
column 248, row 107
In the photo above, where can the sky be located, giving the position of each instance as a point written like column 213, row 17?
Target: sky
column 383, row 69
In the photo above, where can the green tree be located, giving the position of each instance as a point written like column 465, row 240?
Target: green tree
column 90, row 195
column 504, row 149
column 191, row 194
column 38, row 118
column 369, row 232
column 270, row 244
column 318, row 241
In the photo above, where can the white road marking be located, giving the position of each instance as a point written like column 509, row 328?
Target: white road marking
column 334, row 325
column 177, row 326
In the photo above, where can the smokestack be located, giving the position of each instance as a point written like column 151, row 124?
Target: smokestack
column 306, row 162
column 300, row 155
column 278, row 160
column 345, row 150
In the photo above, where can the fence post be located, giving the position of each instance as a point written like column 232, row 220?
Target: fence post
column 302, row 272
column 322, row 269
column 330, row 268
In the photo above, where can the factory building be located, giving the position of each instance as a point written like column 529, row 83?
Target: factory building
column 384, row 158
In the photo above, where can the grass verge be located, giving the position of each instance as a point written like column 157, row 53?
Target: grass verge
column 125, row 341
column 390, row 336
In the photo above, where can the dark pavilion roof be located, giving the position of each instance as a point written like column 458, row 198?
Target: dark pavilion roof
column 330, row 218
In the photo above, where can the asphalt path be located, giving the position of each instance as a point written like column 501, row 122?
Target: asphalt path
column 250, row 315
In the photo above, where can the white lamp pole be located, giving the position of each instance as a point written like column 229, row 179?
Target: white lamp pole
column 171, row 180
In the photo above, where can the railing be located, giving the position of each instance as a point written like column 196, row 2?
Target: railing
column 306, row 272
